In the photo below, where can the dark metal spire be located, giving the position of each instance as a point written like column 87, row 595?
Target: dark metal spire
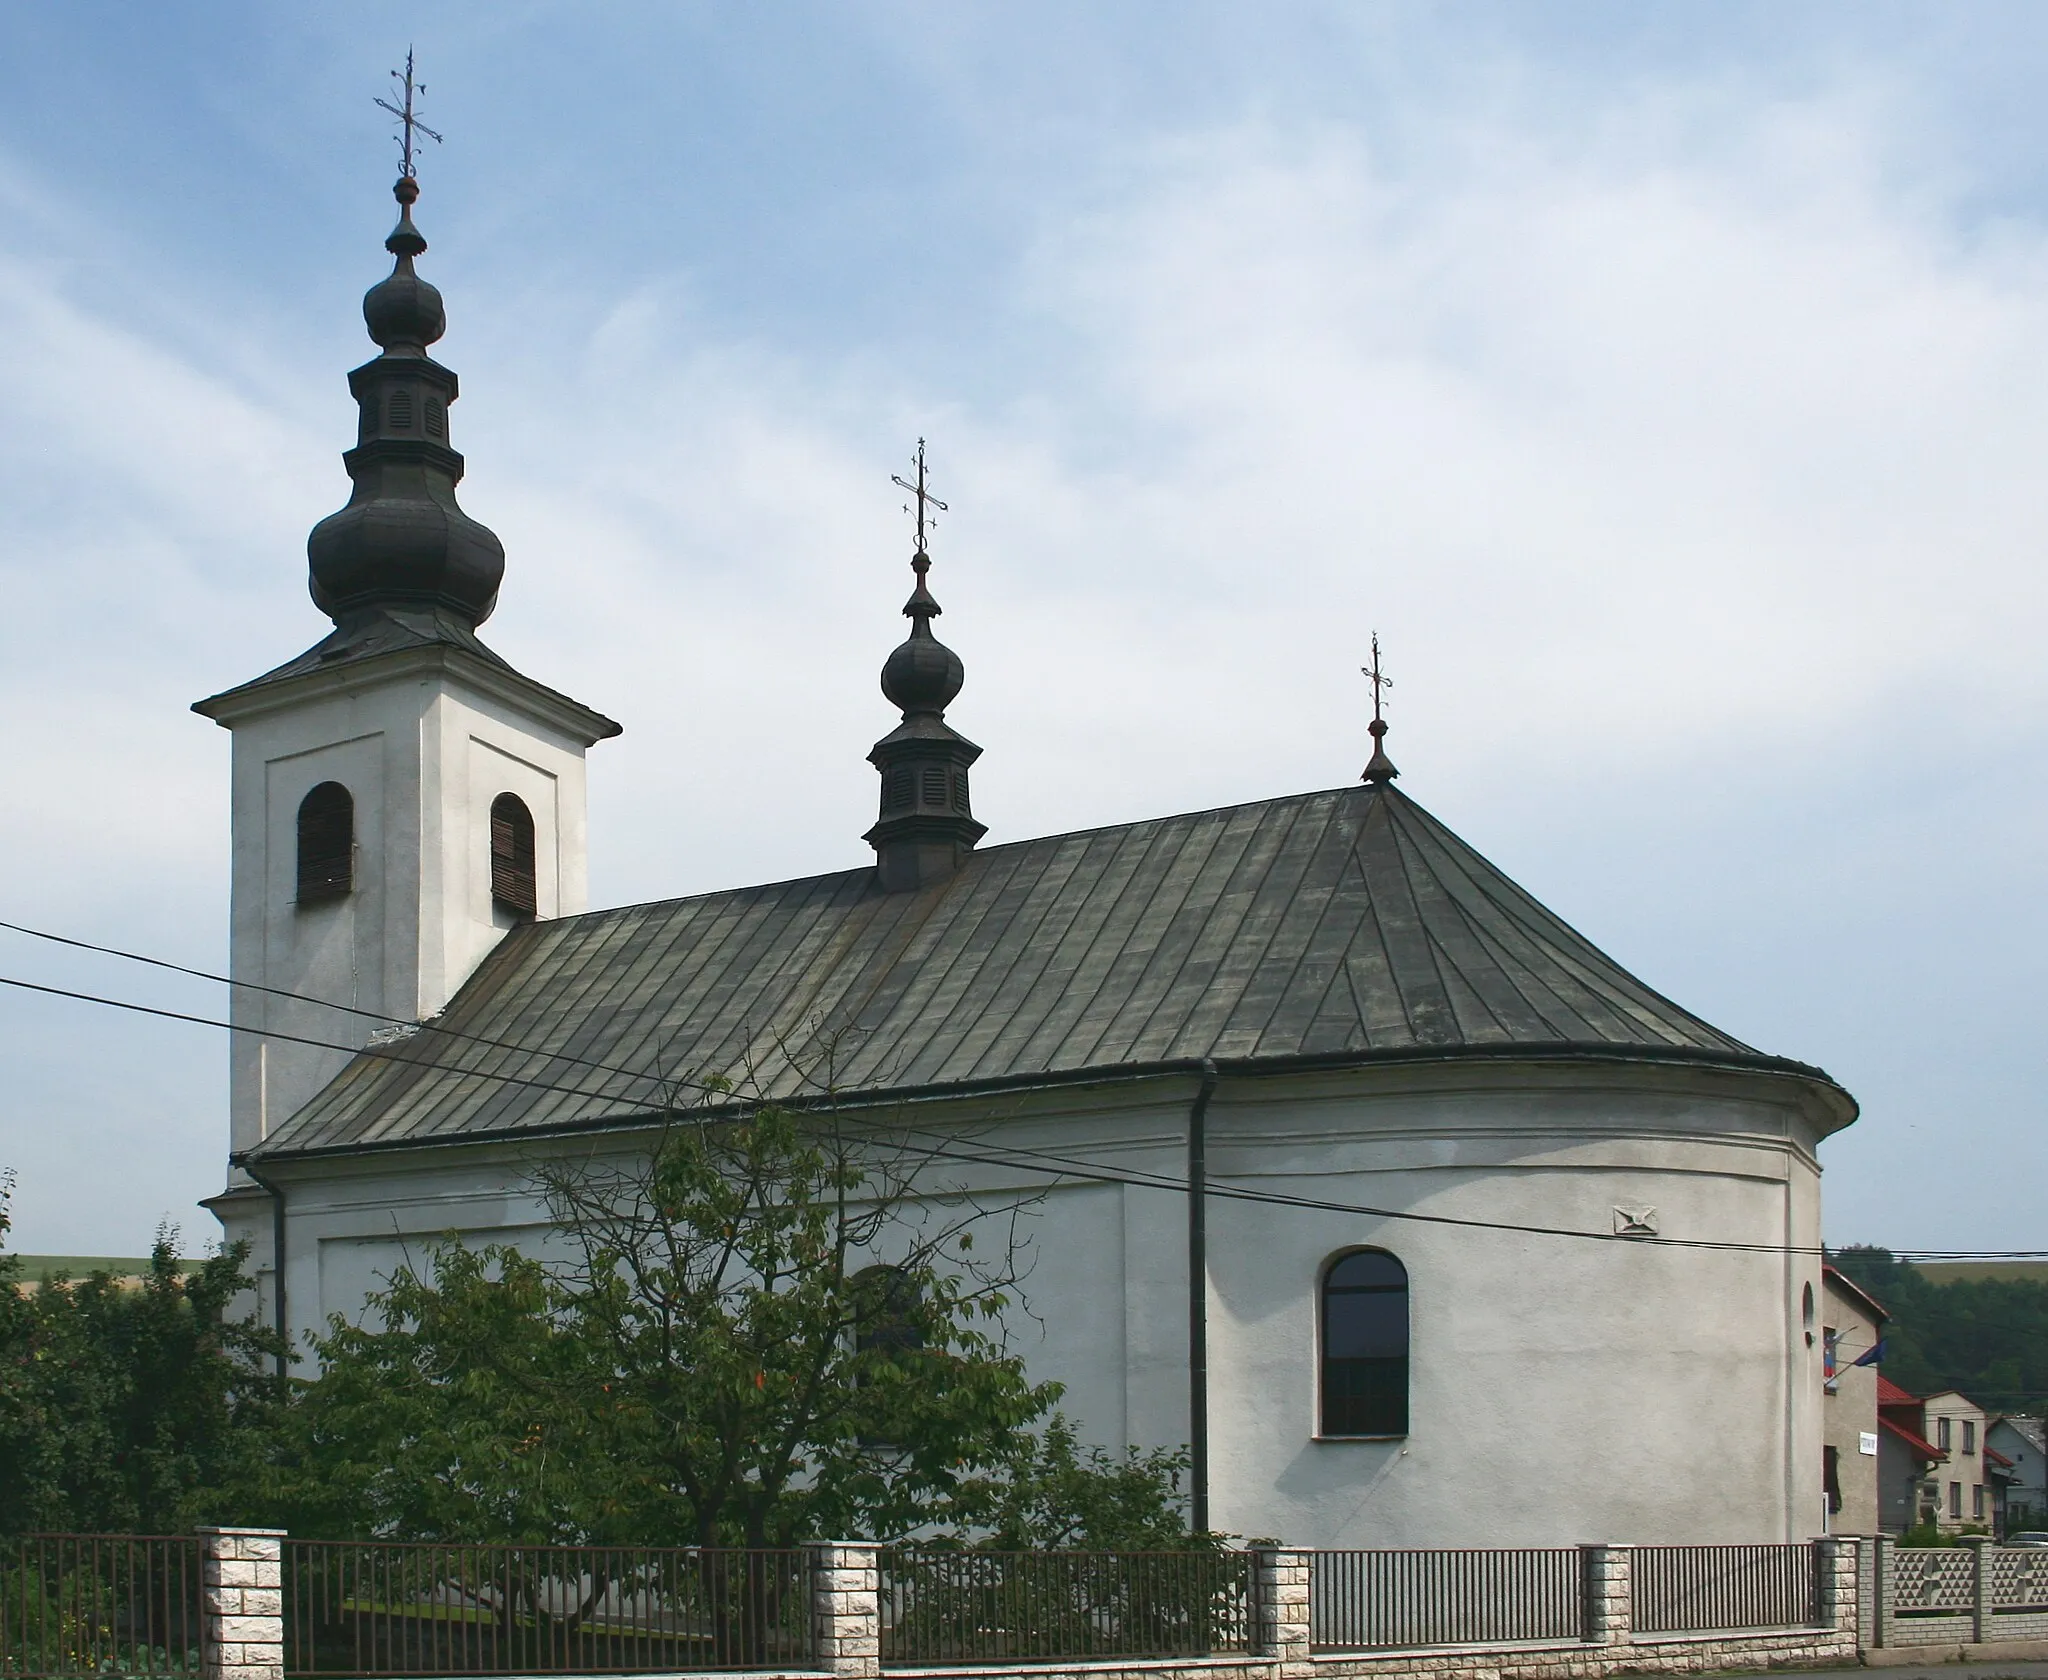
column 402, row 542
column 1379, row 769
column 926, row 827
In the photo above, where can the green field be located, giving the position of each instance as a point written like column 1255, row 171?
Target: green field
column 36, row 1267
column 1978, row 1271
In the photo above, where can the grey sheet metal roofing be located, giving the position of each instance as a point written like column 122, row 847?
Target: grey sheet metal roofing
column 1340, row 925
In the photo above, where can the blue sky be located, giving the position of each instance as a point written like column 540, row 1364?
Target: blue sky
column 1667, row 384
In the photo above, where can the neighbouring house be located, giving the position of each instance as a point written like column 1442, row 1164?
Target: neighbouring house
column 2021, row 1454
column 1908, row 1490
column 1956, row 1425
column 1338, row 1150
column 1852, row 1326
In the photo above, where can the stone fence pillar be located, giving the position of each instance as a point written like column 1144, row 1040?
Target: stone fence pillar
column 1881, row 1589
column 1837, row 1560
column 1280, row 1608
column 1605, row 1575
column 242, row 1603
column 1980, row 1586
column 846, row 1608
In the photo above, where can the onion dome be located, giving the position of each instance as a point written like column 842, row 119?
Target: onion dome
column 402, row 541
column 926, row 827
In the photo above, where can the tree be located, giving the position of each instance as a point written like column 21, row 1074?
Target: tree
column 765, row 1328
column 129, row 1407
column 1985, row 1337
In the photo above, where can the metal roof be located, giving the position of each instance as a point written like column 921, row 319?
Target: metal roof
column 1339, row 925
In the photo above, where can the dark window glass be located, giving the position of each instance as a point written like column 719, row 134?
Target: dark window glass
column 327, row 843
column 1365, row 1345
column 512, row 857
column 885, row 1305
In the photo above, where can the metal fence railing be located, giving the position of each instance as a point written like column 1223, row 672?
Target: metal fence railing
column 951, row 1606
column 375, row 1609
column 79, row 1604
column 1398, row 1600
column 1698, row 1589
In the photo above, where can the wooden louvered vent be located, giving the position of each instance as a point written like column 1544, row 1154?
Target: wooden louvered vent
column 327, row 844
column 512, row 856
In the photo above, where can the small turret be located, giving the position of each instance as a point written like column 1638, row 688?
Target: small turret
column 927, row 826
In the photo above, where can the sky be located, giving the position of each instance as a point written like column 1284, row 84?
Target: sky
column 1667, row 386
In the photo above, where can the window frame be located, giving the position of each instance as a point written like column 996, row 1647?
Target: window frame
column 515, row 881
column 330, row 874
column 1324, row 1358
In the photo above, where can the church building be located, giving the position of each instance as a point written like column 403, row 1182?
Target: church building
column 1420, row 1220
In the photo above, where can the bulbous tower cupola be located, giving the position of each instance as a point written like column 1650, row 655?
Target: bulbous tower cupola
column 927, row 826
column 402, row 542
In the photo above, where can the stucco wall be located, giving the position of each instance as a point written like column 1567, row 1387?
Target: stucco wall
column 1562, row 1388
column 1849, row 1414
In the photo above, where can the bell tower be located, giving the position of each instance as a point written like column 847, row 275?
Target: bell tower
column 402, row 797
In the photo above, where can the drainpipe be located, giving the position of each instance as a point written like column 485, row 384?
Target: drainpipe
column 279, row 1319
column 1198, row 1298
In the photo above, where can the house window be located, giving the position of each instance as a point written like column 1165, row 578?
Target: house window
column 327, row 843
column 1955, row 1499
column 512, row 856
column 1831, row 1478
column 1969, row 1435
column 1977, row 1502
column 1942, row 1427
column 1365, row 1345
column 1830, row 1361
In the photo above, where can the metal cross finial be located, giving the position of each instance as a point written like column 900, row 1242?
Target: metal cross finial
column 408, row 122
column 1371, row 673
column 925, row 499
column 1380, row 770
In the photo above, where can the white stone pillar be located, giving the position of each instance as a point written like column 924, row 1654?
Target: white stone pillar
column 1280, row 1607
column 1881, row 1590
column 1980, row 1586
column 1836, row 1563
column 846, row 1608
column 242, row 1612
column 1605, row 1575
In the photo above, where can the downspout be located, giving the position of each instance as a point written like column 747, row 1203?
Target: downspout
column 279, row 1319
column 1198, row 1299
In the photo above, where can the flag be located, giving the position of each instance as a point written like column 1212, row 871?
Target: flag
column 1874, row 1356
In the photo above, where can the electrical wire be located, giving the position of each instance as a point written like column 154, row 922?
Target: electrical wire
column 947, row 1146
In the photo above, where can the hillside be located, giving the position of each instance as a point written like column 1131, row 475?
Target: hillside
column 1985, row 1335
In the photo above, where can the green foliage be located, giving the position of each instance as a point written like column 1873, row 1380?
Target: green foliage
column 128, row 1408
column 719, row 1363
column 1985, row 1337
column 1059, row 1496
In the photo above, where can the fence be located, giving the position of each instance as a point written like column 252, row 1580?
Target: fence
column 74, row 1604
column 1682, row 1589
column 1386, row 1600
column 950, row 1606
column 411, row 1609
column 1971, row 1594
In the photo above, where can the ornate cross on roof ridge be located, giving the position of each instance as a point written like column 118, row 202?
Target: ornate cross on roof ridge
column 1380, row 770
column 925, row 499
column 408, row 120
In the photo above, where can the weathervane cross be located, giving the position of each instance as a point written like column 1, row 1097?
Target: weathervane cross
column 1380, row 770
column 925, row 499
column 408, row 122
column 1371, row 673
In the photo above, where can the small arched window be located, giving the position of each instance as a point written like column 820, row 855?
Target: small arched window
column 327, row 844
column 512, row 865
column 1365, row 1345
column 885, row 1301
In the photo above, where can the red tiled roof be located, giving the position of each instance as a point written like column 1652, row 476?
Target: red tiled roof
column 1856, row 1292
column 1993, row 1456
column 1890, row 1394
column 1920, row 1449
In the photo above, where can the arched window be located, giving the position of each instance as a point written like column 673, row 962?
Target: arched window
column 327, row 843
column 512, row 866
column 1365, row 1345
column 885, row 1311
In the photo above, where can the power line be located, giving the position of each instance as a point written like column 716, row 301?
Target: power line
column 325, row 1003
column 947, row 1145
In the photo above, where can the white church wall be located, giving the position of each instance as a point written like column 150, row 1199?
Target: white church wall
column 1561, row 1389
